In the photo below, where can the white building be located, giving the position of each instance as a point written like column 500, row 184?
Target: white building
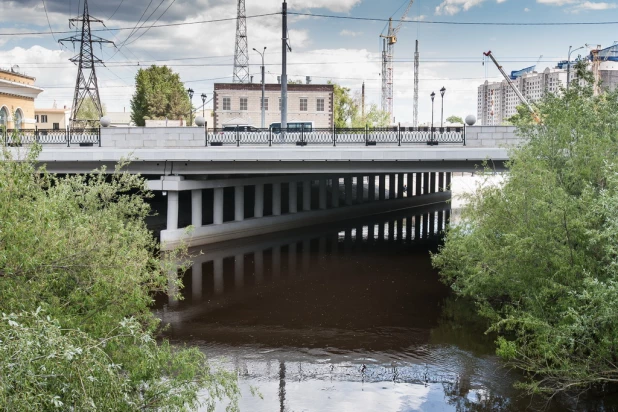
column 239, row 103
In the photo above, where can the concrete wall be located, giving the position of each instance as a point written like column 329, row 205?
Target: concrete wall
column 154, row 137
column 491, row 136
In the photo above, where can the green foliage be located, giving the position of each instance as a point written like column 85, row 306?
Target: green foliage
column 78, row 269
column 88, row 110
column 539, row 253
column 159, row 94
column 348, row 112
column 454, row 120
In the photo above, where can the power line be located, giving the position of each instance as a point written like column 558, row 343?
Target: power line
column 190, row 23
column 459, row 23
column 161, row 15
column 48, row 23
column 114, row 13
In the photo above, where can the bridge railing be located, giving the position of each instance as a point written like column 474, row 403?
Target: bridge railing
column 68, row 137
column 333, row 136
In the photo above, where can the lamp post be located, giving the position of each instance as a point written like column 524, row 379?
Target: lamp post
column 204, row 105
column 569, row 65
column 190, row 92
column 263, row 87
column 442, row 91
column 433, row 95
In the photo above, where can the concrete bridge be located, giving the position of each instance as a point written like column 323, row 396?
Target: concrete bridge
column 273, row 187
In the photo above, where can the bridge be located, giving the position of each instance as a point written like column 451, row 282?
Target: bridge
column 241, row 184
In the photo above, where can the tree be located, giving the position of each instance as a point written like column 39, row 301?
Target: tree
column 88, row 111
column 159, row 94
column 348, row 111
column 454, row 120
column 78, row 269
column 538, row 253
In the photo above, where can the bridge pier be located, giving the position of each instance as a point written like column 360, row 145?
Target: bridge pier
column 392, row 192
column 348, row 190
column 172, row 210
column 276, row 199
column 217, row 206
column 307, row 195
column 371, row 188
column 400, row 185
column 258, row 208
column 196, row 208
column 239, row 203
column 293, row 196
column 322, row 194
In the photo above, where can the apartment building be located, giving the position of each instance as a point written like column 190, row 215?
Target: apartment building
column 240, row 103
column 17, row 94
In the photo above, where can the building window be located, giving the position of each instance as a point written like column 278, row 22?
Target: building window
column 303, row 104
column 56, row 126
column 43, row 118
column 265, row 104
column 4, row 116
column 320, row 105
column 243, row 103
column 227, row 103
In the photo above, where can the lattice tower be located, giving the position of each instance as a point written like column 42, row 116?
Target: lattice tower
column 86, row 85
column 241, row 54
column 416, row 64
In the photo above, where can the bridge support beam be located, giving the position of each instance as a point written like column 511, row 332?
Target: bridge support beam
column 239, row 203
column 322, row 194
column 335, row 190
column 400, row 185
column 217, row 206
column 293, row 196
column 360, row 188
column 432, row 182
column 258, row 208
column 172, row 210
column 196, row 208
column 276, row 199
column 307, row 195
column 371, row 188
column 410, row 185
column 348, row 190
column 382, row 187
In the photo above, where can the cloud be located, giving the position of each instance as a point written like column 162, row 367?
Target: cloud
column 350, row 33
column 576, row 6
column 589, row 5
column 451, row 7
column 526, row 9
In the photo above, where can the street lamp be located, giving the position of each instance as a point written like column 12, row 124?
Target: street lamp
column 442, row 91
column 263, row 86
column 569, row 65
column 190, row 92
column 203, row 105
column 433, row 95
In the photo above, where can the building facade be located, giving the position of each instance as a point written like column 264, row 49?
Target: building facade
column 56, row 119
column 17, row 94
column 239, row 103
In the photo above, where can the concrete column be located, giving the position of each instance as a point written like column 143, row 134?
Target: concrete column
column 292, row 259
column 371, row 188
column 392, row 191
column 239, row 271
column 276, row 261
column 371, row 233
column 400, row 230
column 381, row 231
column 239, row 203
column 400, row 190
column 449, row 176
column 441, row 182
column 410, row 185
column 382, row 187
column 196, row 208
column 276, row 199
column 418, row 186
column 432, row 182
column 335, row 190
column 417, row 227
column 306, row 255
column 258, row 209
column 360, row 189
column 409, row 226
column 425, row 183
column 196, row 281
column 217, row 206
column 218, row 269
column 441, row 221
column 293, row 196
column 322, row 194
column 348, row 190
column 172, row 210
column 307, row 195
column 258, row 261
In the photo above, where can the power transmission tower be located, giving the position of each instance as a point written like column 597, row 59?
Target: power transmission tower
column 241, row 54
column 86, row 85
column 415, row 117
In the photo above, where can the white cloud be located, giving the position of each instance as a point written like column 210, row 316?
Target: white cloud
column 526, row 9
column 455, row 6
column 580, row 5
column 589, row 5
column 350, row 33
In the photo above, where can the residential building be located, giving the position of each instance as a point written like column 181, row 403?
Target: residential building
column 56, row 119
column 240, row 103
column 17, row 94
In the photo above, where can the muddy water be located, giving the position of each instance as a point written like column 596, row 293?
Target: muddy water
column 342, row 318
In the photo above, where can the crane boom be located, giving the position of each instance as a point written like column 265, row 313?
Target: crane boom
column 508, row 79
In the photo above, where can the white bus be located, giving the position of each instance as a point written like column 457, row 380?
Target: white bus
column 293, row 126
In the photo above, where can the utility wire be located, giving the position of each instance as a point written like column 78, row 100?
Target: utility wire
column 146, row 31
column 114, row 13
column 48, row 23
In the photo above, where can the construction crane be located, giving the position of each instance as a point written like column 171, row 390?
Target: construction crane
column 515, row 89
column 388, row 50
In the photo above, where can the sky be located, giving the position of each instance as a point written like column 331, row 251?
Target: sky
column 340, row 48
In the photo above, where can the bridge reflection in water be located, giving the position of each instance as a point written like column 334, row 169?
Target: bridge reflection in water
column 346, row 317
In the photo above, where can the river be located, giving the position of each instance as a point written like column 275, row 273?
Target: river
column 348, row 317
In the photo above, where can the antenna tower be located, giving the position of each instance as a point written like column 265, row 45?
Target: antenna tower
column 241, row 54
column 86, row 85
column 415, row 117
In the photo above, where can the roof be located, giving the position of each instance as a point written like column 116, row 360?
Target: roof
column 43, row 110
column 17, row 74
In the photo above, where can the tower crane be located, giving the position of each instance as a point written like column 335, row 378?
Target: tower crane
column 515, row 89
column 388, row 50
